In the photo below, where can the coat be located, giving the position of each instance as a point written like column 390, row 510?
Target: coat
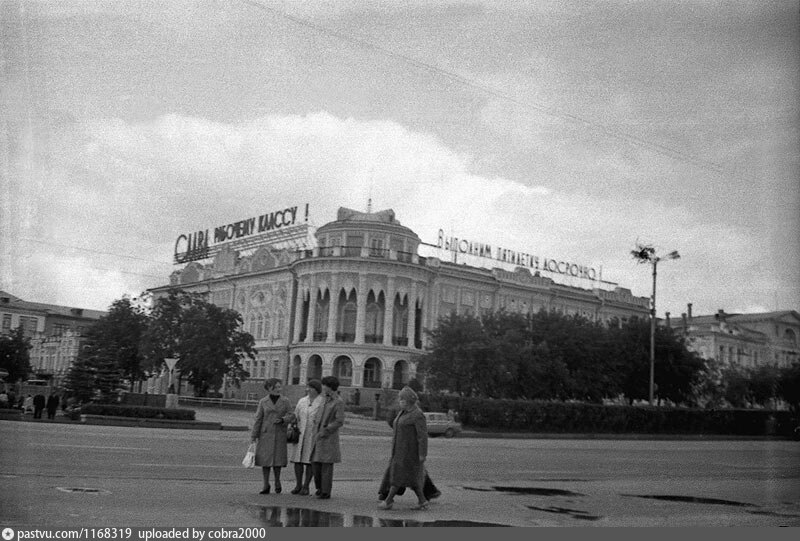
column 307, row 414
column 271, row 446
column 409, row 444
column 326, row 443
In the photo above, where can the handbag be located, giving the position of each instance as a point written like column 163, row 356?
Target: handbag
column 292, row 433
column 249, row 460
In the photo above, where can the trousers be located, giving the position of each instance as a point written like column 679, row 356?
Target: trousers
column 323, row 476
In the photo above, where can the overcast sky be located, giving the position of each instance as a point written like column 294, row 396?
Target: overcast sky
column 570, row 130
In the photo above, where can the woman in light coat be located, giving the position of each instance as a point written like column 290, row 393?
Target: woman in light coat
column 269, row 433
column 409, row 450
column 307, row 413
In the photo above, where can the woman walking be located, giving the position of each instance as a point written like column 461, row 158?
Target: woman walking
column 269, row 433
column 307, row 413
column 409, row 450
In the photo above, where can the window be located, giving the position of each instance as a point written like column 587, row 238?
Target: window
column 6, row 322
column 376, row 247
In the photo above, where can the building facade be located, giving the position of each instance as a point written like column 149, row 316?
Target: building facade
column 745, row 340
column 357, row 305
column 55, row 332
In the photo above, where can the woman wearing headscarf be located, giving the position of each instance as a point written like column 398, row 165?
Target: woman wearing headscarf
column 307, row 413
column 269, row 433
column 409, row 450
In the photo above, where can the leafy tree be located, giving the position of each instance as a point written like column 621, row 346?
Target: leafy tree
column 789, row 386
column 118, row 336
column 15, row 355
column 763, row 384
column 204, row 337
column 736, row 387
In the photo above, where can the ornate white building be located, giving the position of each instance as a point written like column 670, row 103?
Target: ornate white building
column 357, row 305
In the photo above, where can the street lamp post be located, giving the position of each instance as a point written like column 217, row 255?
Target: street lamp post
column 647, row 254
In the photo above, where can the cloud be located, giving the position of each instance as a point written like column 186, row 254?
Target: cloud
column 134, row 187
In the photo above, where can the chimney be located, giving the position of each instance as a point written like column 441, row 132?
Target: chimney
column 685, row 324
column 689, row 310
column 669, row 323
column 721, row 315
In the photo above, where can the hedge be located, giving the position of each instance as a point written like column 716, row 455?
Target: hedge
column 577, row 417
column 140, row 412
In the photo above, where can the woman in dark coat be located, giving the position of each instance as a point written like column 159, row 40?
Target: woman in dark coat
column 269, row 433
column 409, row 450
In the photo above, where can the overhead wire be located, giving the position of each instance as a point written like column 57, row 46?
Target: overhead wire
column 659, row 148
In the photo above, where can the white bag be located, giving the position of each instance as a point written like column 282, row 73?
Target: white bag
column 249, row 460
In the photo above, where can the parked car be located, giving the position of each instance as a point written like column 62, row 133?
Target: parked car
column 441, row 424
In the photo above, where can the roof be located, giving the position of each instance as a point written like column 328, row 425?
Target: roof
column 49, row 309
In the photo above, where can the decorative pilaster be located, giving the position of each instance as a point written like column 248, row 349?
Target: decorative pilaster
column 388, row 312
column 412, row 313
column 312, row 313
column 361, row 310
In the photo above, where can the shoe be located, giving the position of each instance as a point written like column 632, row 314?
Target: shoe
column 278, row 487
column 318, row 492
column 265, row 491
column 324, row 497
column 435, row 495
column 303, row 492
column 296, row 490
column 385, row 506
column 420, row 506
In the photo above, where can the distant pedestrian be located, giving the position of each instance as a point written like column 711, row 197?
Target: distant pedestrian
column 27, row 405
column 307, row 412
column 269, row 433
column 52, row 406
column 39, row 402
column 327, row 451
column 409, row 451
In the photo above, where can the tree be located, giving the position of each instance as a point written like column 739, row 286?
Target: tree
column 789, row 386
column 763, row 384
column 118, row 335
column 204, row 338
column 15, row 355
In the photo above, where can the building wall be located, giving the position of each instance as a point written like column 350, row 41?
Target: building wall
column 360, row 311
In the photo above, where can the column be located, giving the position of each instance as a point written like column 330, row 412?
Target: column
column 332, row 309
column 298, row 314
column 312, row 313
column 412, row 313
column 388, row 313
column 361, row 310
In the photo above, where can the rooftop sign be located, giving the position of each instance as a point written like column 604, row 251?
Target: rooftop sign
column 280, row 225
column 520, row 259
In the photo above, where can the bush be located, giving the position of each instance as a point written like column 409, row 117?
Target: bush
column 139, row 412
column 579, row 417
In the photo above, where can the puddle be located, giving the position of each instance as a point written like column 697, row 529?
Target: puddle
column 529, row 491
column 296, row 517
column 83, row 490
column 573, row 513
column 691, row 499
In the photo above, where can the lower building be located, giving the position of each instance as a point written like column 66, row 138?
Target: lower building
column 358, row 303
column 745, row 340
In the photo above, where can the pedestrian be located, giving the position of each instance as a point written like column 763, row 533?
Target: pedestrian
column 327, row 451
column 273, row 415
column 52, row 406
column 307, row 413
column 3, row 400
column 409, row 450
column 39, row 403
column 27, row 405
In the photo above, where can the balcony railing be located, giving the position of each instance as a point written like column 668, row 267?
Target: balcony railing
column 373, row 338
column 400, row 340
column 320, row 336
column 362, row 251
column 345, row 337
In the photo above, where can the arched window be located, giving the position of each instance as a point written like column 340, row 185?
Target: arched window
column 373, row 325
column 295, row 377
column 400, row 375
column 372, row 373
column 314, row 370
column 321, row 316
column 343, row 369
column 789, row 336
column 400, row 321
column 347, row 317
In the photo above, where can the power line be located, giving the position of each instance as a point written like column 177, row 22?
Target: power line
column 81, row 248
column 664, row 150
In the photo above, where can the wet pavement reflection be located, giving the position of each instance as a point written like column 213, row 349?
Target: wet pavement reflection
column 298, row 517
